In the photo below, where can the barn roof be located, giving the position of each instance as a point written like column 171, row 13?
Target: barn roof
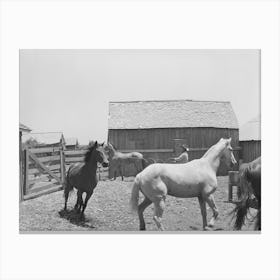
column 171, row 114
column 251, row 130
column 24, row 128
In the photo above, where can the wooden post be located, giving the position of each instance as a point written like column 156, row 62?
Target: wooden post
column 233, row 180
column 20, row 168
column 26, row 167
column 62, row 164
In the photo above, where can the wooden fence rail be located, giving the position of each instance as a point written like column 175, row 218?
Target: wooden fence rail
column 43, row 169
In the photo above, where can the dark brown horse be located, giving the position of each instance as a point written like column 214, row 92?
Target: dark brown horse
column 82, row 176
column 250, row 184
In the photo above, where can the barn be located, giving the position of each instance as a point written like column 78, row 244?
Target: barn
column 158, row 128
column 71, row 143
column 250, row 139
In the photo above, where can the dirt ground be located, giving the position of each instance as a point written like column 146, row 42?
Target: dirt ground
column 108, row 210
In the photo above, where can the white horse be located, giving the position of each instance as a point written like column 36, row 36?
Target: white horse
column 196, row 178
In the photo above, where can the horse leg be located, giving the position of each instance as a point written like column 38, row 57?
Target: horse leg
column 79, row 200
column 158, row 212
column 67, row 189
column 121, row 171
column 141, row 208
column 66, row 194
column 258, row 223
column 211, row 202
column 203, row 212
column 89, row 194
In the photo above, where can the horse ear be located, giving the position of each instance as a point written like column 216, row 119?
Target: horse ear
column 95, row 144
column 102, row 144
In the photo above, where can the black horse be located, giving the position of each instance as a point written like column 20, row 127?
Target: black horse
column 83, row 176
column 250, row 183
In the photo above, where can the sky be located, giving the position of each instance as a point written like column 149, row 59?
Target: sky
column 68, row 90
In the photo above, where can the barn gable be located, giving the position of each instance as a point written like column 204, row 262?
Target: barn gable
column 171, row 114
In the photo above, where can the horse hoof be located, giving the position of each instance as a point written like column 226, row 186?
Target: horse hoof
column 207, row 228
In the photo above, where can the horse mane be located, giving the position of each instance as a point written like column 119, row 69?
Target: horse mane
column 88, row 153
column 211, row 149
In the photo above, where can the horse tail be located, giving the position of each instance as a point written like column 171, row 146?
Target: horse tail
column 145, row 163
column 67, row 187
column 135, row 194
column 243, row 205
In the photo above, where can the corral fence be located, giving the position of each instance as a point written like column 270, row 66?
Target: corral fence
column 43, row 169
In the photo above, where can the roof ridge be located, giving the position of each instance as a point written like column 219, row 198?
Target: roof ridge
column 168, row 100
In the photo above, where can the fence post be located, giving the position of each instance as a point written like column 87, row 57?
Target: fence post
column 233, row 180
column 26, row 167
column 62, row 164
column 20, row 168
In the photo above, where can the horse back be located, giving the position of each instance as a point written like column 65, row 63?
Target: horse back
column 194, row 172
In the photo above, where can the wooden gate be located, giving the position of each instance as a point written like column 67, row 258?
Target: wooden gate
column 43, row 171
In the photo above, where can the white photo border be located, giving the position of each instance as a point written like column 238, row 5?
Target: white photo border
column 139, row 25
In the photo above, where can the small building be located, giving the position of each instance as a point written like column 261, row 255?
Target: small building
column 158, row 128
column 250, row 140
column 71, row 143
column 51, row 139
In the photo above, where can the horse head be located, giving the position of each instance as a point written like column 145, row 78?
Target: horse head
column 227, row 152
column 98, row 151
column 110, row 149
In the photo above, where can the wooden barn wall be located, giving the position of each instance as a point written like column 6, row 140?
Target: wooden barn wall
column 250, row 150
column 163, row 138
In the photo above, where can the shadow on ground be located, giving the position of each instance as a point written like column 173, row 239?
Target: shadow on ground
column 76, row 218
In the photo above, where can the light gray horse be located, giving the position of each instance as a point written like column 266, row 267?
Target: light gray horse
column 119, row 160
column 196, row 178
